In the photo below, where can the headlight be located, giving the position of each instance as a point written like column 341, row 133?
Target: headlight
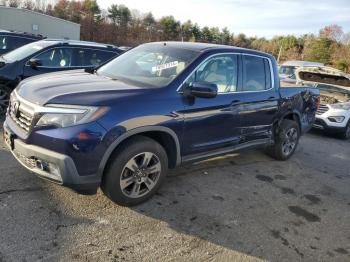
column 344, row 106
column 336, row 119
column 67, row 115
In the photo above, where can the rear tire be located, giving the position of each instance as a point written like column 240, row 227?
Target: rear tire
column 5, row 93
column 346, row 133
column 286, row 140
column 135, row 171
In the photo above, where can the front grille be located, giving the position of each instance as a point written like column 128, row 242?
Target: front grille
column 20, row 114
column 322, row 109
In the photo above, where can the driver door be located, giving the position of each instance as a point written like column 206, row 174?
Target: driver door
column 212, row 123
column 52, row 60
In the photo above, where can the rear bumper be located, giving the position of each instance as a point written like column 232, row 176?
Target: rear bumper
column 50, row 165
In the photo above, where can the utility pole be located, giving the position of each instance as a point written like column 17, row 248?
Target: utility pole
column 279, row 54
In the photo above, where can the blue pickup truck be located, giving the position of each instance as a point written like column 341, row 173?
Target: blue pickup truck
column 122, row 126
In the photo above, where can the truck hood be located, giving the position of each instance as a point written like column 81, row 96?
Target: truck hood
column 336, row 83
column 75, row 87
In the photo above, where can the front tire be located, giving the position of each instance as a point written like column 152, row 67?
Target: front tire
column 286, row 140
column 135, row 171
column 346, row 133
column 5, row 93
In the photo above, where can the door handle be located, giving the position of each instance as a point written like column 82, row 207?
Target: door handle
column 236, row 101
column 272, row 98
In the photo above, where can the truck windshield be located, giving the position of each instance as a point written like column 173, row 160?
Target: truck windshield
column 26, row 50
column 149, row 65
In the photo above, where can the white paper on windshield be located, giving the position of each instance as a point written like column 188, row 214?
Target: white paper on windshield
column 165, row 66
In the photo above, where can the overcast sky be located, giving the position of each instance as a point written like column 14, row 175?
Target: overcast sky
column 252, row 17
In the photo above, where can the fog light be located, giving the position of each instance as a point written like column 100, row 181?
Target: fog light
column 50, row 168
column 336, row 119
column 54, row 170
column 42, row 165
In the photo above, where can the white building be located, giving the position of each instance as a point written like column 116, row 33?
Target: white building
column 23, row 20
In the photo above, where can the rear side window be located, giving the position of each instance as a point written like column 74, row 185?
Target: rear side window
column 19, row 41
column 4, row 42
column 13, row 42
column 92, row 57
column 256, row 73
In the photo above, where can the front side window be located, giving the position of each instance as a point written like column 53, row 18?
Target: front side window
column 256, row 73
column 221, row 70
column 154, row 65
column 56, row 57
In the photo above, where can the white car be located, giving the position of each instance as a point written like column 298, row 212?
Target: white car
column 334, row 112
column 286, row 71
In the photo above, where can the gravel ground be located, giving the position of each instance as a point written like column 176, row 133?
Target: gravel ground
column 241, row 207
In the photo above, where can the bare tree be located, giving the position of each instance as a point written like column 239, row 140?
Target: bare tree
column 28, row 4
column 13, row 3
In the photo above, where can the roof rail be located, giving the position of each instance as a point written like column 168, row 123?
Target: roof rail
column 80, row 42
column 23, row 33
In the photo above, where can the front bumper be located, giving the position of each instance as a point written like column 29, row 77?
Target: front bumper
column 323, row 125
column 323, row 119
column 50, row 165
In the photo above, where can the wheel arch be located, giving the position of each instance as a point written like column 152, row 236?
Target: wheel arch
column 163, row 135
column 290, row 115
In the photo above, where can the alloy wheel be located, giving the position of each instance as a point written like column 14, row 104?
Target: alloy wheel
column 140, row 175
column 290, row 142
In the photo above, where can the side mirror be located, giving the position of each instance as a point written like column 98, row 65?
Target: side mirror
column 90, row 70
column 201, row 89
column 34, row 62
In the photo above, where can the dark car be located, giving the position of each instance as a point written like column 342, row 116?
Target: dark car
column 49, row 56
column 152, row 108
column 10, row 40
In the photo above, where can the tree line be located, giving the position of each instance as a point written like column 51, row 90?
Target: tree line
column 122, row 26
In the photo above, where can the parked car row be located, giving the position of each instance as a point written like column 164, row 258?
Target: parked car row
column 49, row 55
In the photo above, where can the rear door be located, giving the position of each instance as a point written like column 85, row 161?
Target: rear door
column 258, row 98
column 52, row 60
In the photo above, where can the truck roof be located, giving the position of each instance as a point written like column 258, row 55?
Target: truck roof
column 202, row 47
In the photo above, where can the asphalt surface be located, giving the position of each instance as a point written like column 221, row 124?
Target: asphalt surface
column 242, row 207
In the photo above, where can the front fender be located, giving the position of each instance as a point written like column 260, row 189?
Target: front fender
column 133, row 132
